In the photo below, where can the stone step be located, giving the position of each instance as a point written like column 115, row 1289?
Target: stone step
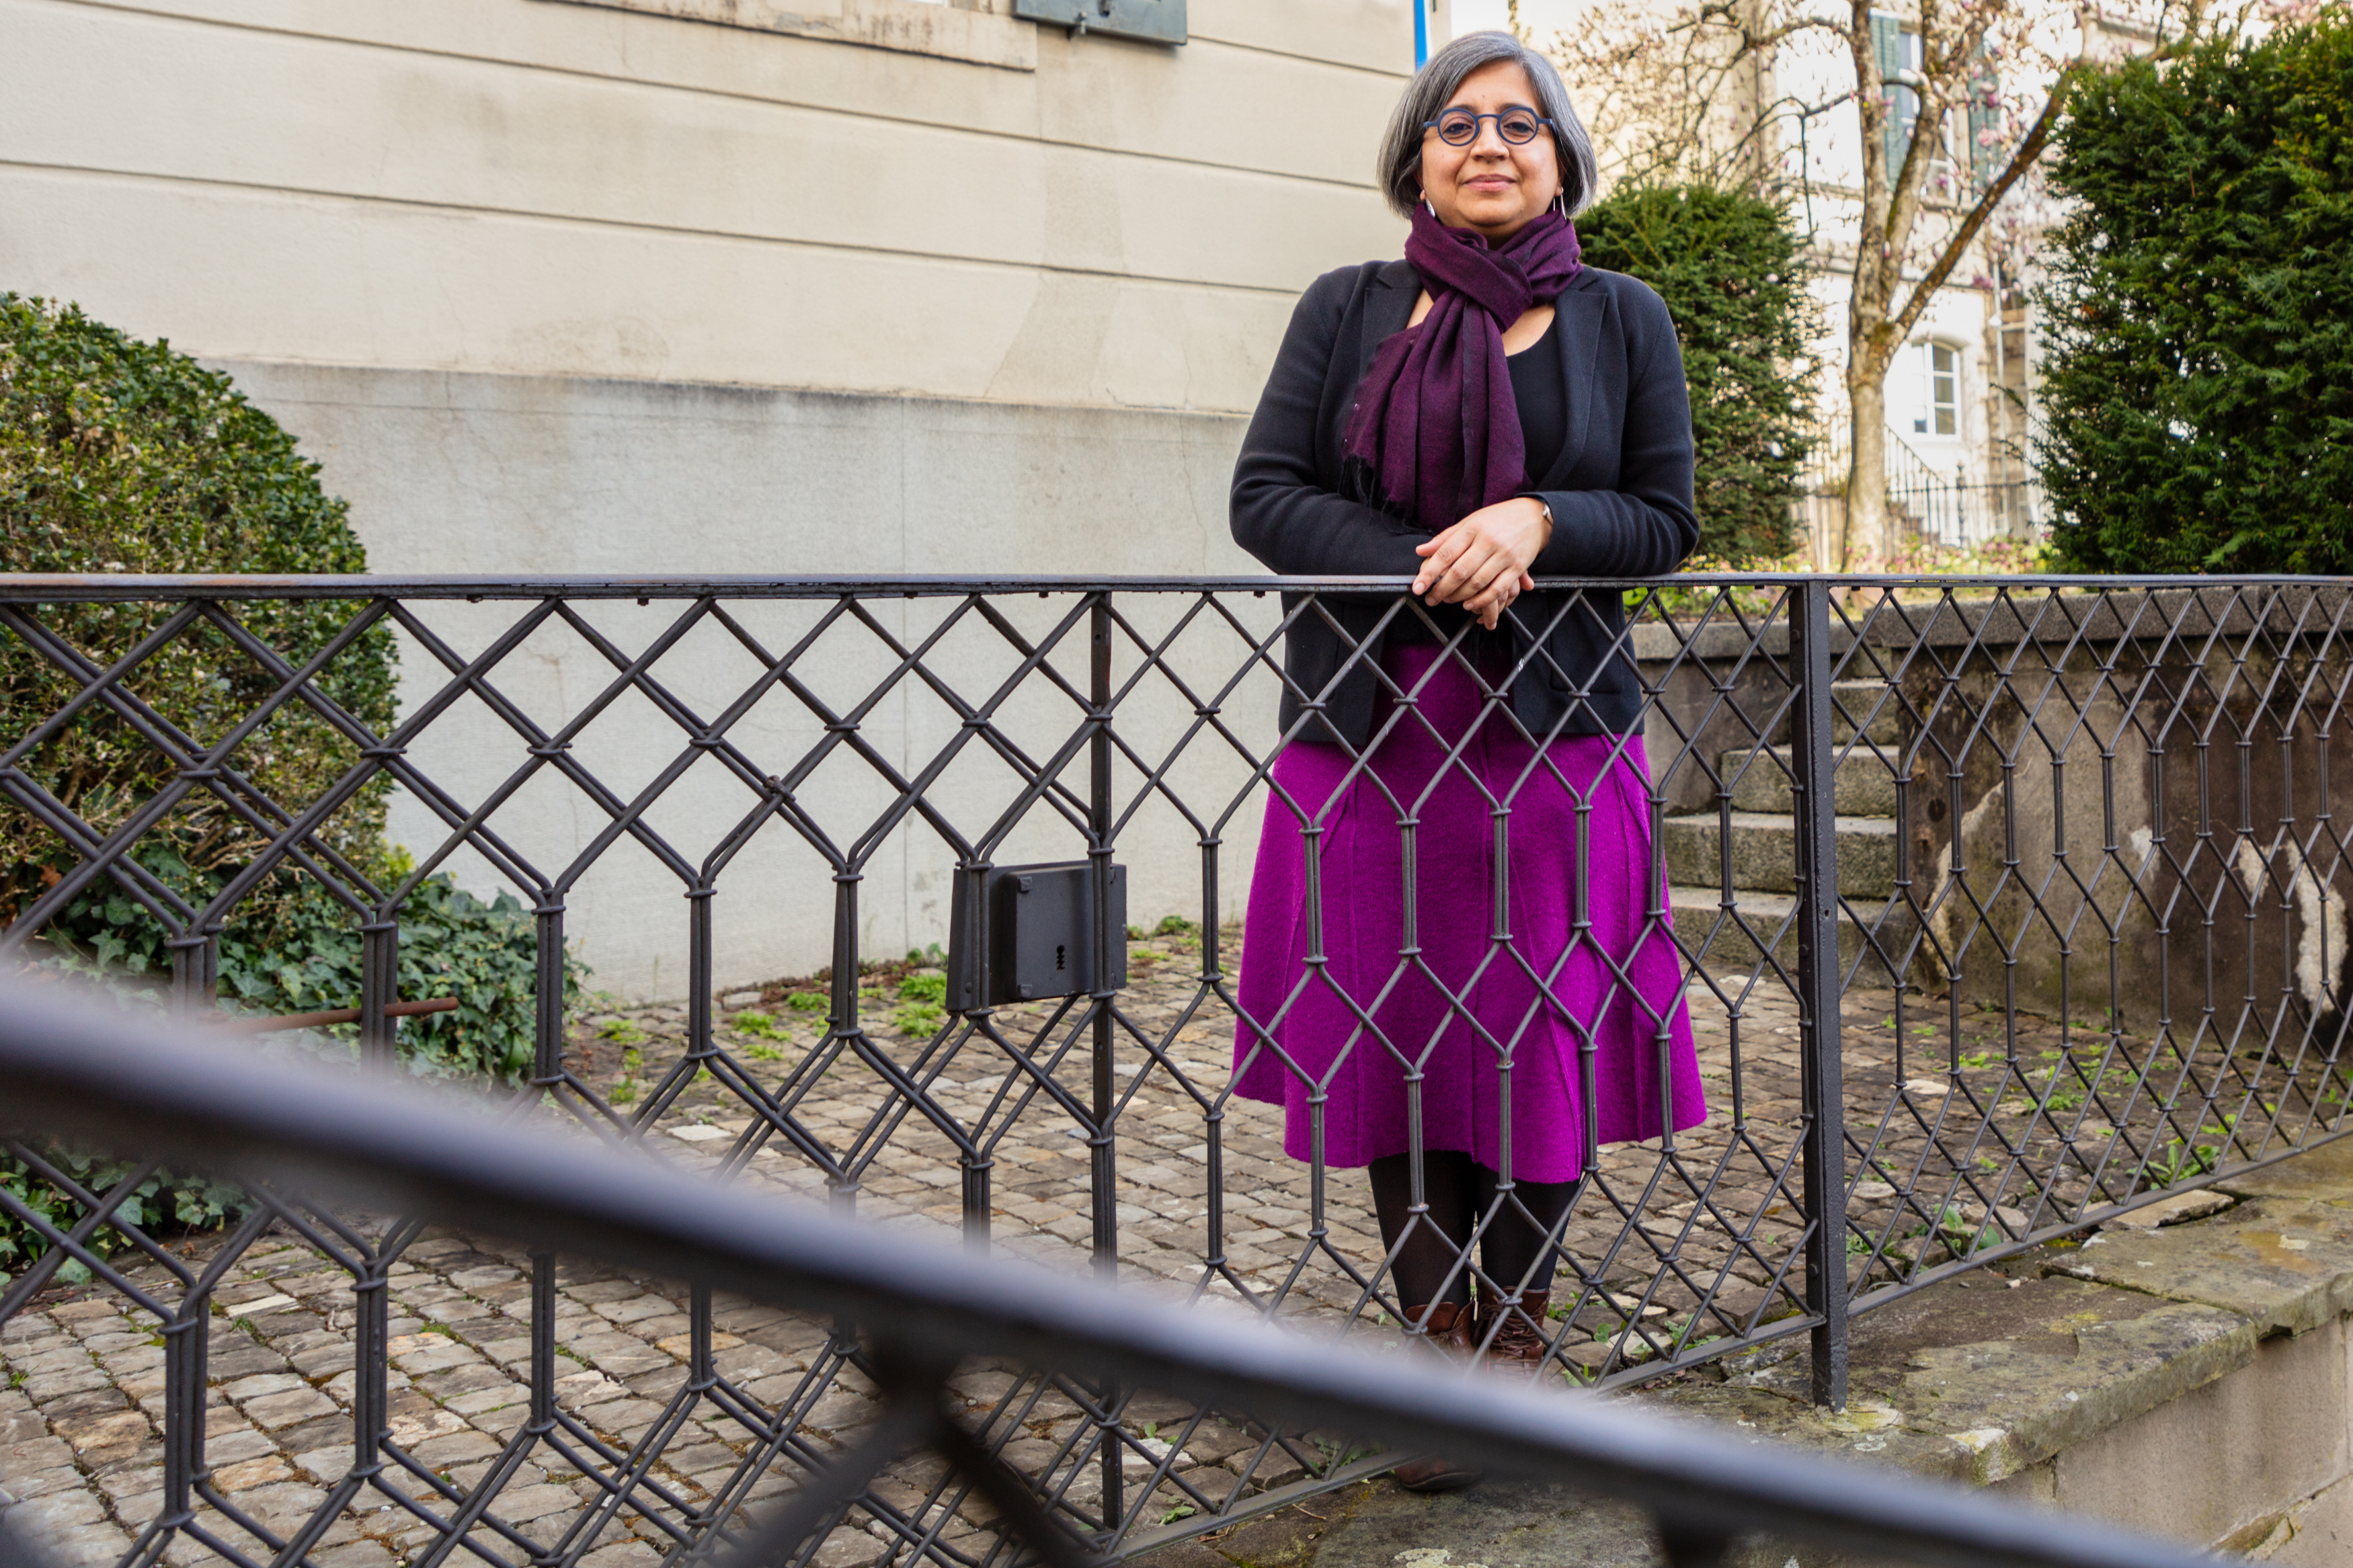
column 1726, row 943
column 1873, row 706
column 1764, row 852
column 1762, row 781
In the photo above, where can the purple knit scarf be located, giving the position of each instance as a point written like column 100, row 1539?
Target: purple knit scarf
column 1435, row 419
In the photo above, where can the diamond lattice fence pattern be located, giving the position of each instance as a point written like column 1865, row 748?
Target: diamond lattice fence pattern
column 1993, row 907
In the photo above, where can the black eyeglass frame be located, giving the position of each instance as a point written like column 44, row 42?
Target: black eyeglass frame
column 1543, row 124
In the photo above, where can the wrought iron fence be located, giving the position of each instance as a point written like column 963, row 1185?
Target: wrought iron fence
column 1952, row 513
column 1930, row 509
column 297, row 1138
column 1852, row 932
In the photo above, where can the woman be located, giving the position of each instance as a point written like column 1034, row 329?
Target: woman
column 1483, row 412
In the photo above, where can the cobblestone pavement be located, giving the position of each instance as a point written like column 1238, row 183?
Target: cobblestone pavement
column 81, row 1372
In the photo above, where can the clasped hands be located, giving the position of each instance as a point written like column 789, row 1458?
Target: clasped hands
column 1482, row 562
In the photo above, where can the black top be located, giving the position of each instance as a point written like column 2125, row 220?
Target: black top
column 1544, row 413
column 1619, row 486
column 1544, row 425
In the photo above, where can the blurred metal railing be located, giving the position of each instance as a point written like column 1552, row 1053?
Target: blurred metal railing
column 1993, row 907
column 1931, row 509
column 300, row 1136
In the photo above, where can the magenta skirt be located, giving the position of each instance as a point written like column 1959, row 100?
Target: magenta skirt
column 1576, row 1019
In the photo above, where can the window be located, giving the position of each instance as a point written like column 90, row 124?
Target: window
column 1940, row 412
column 1901, row 55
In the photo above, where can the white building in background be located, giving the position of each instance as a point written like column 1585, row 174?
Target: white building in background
column 1959, row 389
column 718, row 286
column 1957, row 394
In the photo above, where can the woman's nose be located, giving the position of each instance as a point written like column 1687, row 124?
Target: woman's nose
column 1490, row 142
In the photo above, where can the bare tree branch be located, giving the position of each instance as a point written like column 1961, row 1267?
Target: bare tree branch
column 1705, row 93
column 2023, row 157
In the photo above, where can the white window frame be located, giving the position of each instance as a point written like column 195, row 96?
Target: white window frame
column 1927, row 408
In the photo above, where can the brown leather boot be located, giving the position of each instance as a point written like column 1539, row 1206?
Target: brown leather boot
column 1445, row 1327
column 1448, row 1328
column 1521, row 1336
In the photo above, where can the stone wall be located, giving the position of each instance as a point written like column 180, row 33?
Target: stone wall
column 667, row 288
column 2139, row 784
column 524, row 188
column 514, row 475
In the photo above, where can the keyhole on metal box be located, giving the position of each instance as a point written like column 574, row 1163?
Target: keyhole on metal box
column 1059, row 951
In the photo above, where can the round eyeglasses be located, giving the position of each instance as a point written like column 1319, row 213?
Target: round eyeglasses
column 1459, row 127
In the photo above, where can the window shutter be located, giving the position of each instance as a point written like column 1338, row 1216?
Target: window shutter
column 1985, row 95
column 1887, row 47
column 1153, row 21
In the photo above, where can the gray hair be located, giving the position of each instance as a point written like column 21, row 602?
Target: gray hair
column 1434, row 86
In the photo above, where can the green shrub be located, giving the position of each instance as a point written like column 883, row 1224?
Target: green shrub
column 485, row 955
column 2198, row 386
column 122, row 456
column 1731, row 270
column 453, row 944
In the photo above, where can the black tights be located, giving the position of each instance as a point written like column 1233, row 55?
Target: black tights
column 1459, row 1190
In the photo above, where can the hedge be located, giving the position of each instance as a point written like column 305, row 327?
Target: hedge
column 1730, row 268
column 2198, row 384
column 122, row 455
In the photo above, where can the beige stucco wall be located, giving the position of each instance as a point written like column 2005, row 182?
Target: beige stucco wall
column 522, row 186
column 555, row 286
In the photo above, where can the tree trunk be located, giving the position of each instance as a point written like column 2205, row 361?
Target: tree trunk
column 1867, row 521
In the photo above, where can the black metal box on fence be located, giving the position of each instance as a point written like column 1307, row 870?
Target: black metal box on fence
column 1019, row 934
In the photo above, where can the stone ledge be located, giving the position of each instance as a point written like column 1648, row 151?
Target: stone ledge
column 2284, row 1265
column 2190, row 1380
column 2189, row 1377
column 1979, row 1378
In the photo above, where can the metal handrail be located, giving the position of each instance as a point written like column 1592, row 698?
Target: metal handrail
column 27, row 587
column 69, row 1068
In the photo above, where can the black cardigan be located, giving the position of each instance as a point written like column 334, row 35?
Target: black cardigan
column 1620, row 494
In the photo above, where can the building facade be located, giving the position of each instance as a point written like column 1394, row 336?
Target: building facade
column 705, row 286
column 472, row 250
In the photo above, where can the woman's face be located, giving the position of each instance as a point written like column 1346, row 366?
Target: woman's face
column 1491, row 185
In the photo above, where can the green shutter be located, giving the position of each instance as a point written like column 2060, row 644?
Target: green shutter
column 1153, row 21
column 1887, row 47
column 1985, row 93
